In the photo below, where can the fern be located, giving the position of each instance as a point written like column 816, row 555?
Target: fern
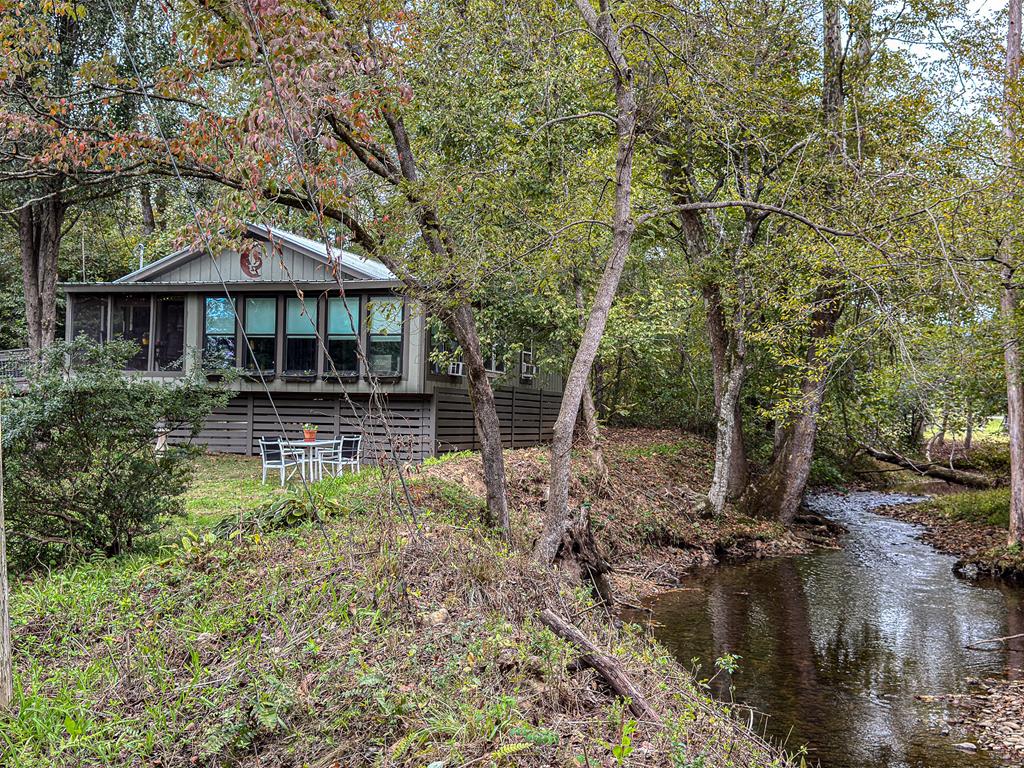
column 507, row 750
column 410, row 739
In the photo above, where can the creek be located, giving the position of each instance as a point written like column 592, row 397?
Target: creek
column 836, row 646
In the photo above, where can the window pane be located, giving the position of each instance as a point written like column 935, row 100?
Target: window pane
column 344, row 356
column 300, row 317
column 261, row 316
column 131, row 322
column 169, row 345
column 300, row 355
column 264, row 350
column 220, row 317
column 219, row 351
column 386, row 316
column 385, row 355
column 343, row 316
column 89, row 318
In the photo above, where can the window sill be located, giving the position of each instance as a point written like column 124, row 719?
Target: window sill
column 307, row 377
column 347, row 378
column 388, row 378
column 255, row 375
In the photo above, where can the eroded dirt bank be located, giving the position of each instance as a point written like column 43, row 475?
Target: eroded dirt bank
column 651, row 519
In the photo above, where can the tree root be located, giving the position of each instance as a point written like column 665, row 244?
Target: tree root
column 579, row 550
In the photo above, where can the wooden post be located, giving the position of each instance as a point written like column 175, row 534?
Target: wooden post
column 540, row 417
column 512, row 424
column 250, row 414
column 6, row 676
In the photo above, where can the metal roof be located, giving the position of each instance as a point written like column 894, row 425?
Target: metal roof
column 359, row 267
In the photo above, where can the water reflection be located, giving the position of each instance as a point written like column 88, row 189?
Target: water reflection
column 835, row 645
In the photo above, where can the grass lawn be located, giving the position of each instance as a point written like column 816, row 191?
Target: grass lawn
column 226, row 484
column 982, row 507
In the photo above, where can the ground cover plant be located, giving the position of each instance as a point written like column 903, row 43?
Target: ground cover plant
column 367, row 640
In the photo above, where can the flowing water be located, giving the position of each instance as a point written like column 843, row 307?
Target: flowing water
column 836, row 645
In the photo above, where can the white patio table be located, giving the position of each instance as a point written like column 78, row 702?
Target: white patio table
column 309, row 447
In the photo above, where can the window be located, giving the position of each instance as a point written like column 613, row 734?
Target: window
column 89, row 318
column 169, row 334
column 261, row 328
column 342, row 336
column 494, row 359
column 219, row 330
column 300, row 324
column 131, row 323
column 384, row 340
column 445, row 354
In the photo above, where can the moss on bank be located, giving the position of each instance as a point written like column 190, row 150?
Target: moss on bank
column 370, row 640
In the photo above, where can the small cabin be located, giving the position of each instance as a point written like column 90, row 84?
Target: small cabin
column 287, row 316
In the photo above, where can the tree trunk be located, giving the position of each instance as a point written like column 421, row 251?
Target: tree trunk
column 780, row 492
column 556, row 515
column 727, row 441
column 929, row 469
column 146, row 204
column 1008, row 301
column 832, row 96
column 462, row 324
column 588, row 413
column 6, row 677
column 917, row 425
column 1014, row 406
column 940, row 438
column 695, row 234
column 738, row 474
column 485, row 413
column 969, row 430
column 39, row 234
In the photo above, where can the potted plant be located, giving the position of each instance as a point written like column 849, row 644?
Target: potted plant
column 309, row 432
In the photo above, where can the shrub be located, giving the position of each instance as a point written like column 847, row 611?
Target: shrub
column 80, row 466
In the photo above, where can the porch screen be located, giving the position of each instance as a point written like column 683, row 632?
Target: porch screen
column 300, row 324
column 342, row 334
column 89, row 318
column 384, row 340
column 219, row 344
column 169, row 344
column 261, row 328
column 131, row 323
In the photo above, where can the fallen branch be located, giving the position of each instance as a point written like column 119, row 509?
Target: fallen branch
column 606, row 666
column 928, row 469
column 974, row 646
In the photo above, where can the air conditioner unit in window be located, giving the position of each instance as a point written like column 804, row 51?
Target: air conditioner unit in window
column 455, row 369
column 527, row 370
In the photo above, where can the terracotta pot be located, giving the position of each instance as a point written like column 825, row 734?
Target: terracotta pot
column 309, row 435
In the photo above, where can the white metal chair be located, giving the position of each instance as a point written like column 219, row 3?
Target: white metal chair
column 346, row 452
column 276, row 457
